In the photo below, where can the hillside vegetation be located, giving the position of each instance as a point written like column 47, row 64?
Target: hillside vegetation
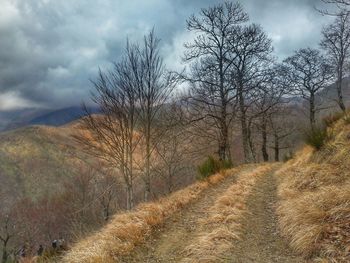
column 222, row 202
column 36, row 159
column 232, row 215
column 126, row 231
column 314, row 192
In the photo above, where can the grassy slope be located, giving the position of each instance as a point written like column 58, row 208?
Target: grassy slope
column 127, row 230
column 199, row 223
column 314, row 192
column 34, row 160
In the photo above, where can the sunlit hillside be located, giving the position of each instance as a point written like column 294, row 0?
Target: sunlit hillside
column 36, row 160
column 314, row 192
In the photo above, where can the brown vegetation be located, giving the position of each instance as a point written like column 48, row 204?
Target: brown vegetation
column 224, row 220
column 314, row 194
column 129, row 229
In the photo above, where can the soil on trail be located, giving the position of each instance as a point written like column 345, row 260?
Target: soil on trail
column 260, row 241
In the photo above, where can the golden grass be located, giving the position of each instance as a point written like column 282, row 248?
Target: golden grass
column 125, row 231
column 224, row 220
column 314, row 200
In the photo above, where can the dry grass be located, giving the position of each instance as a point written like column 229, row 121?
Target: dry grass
column 125, row 231
column 314, row 193
column 224, row 220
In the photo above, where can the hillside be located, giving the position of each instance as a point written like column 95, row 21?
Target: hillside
column 314, row 192
column 293, row 212
column 229, row 217
column 35, row 160
column 206, row 222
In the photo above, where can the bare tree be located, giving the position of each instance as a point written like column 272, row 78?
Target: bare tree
column 211, row 54
column 269, row 98
column 10, row 228
column 338, row 2
column 107, row 194
column 173, row 150
column 310, row 73
column 336, row 42
column 281, row 128
column 342, row 7
column 154, row 89
column 111, row 135
column 6, row 234
column 252, row 48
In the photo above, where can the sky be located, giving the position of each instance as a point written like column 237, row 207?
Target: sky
column 50, row 50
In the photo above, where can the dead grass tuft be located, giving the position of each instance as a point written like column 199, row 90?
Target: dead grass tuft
column 126, row 231
column 314, row 205
column 224, row 220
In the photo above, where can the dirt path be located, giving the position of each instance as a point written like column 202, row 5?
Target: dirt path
column 170, row 240
column 260, row 240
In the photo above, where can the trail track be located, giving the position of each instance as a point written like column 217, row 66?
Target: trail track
column 260, row 240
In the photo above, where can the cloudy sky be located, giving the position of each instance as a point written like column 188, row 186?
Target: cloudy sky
column 49, row 49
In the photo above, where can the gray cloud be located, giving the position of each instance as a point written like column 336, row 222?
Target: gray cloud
column 50, row 49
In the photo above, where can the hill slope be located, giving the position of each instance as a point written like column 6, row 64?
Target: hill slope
column 202, row 223
column 34, row 160
column 233, row 216
column 314, row 192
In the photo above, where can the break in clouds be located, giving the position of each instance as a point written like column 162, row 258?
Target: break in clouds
column 50, row 49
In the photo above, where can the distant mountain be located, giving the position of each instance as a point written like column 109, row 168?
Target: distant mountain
column 10, row 120
column 61, row 117
column 18, row 118
column 328, row 96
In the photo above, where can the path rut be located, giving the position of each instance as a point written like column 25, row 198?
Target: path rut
column 260, row 243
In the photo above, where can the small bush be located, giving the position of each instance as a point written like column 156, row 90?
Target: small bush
column 226, row 164
column 317, row 137
column 212, row 166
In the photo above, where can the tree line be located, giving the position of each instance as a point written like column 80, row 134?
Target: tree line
column 234, row 83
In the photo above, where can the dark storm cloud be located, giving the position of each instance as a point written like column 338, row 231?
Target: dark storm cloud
column 49, row 49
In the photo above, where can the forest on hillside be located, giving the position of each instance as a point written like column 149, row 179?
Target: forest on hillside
column 158, row 130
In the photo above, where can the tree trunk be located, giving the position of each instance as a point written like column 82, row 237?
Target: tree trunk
column 147, row 178
column 4, row 255
column 340, row 91
column 106, row 212
column 277, row 148
column 147, row 193
column 129, row 197
column 312, row 111
column 130, row 172
column 224, row 148
column 252, row 152
column 264, row 141
column 147, row 127
column 4, row 251
column 170, row 181
column 244, row 128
